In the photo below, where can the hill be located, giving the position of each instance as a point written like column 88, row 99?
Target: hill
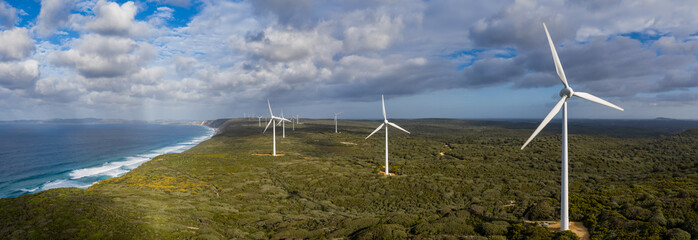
column 454, row 179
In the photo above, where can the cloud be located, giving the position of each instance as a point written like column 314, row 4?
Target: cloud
column 612, row 49
column 161, row 16
column 178, row 3
column 185, row 65
column 54, row 14
column 19, row 75
column 16, row 44
column 517, row 25
column 8, row 15
column 96, row 56
column 372, row 32
column 116, row 20
column 684, row 97
column 129, row 54
column 284, row 45
column 292, row 13
column 58, row 89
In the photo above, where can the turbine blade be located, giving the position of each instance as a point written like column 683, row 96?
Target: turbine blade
column 374, row 131
column 383, row 102
column 547, row 119
column 265, row 129
column 556, row 59
column 596, row 99
column 269, row 104
column 398, row 127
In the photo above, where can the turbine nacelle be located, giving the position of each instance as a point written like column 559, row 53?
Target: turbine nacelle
column 567, row 92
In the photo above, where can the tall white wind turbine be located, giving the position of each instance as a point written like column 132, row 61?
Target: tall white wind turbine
column 565, row 94
column 273, row 119
column 335, row 121
column 259, row 120
column 386, row 123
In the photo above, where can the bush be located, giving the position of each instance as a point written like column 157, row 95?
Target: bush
column 691, row 225
column 566, row 235
column 424, row 228
column 383, row 231
column 457, row 228
column 658, row 217
column 677, row 234
column 541, row 211
column 489, row 229
column 406, row 220
column 637, row 213
column 522, row 232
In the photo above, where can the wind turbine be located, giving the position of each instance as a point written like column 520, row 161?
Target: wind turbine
column 282, row 121
column 273, row 120
column 259, row 120
column 386, row 123
column 565, row 94
column 335, row 121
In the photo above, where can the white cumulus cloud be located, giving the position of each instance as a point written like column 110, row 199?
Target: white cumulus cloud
column 16, row 44
column 97, row 56
column 114, row 19
column 54, row 14
column 19, row 75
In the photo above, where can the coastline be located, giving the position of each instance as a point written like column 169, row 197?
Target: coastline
column 88, row 176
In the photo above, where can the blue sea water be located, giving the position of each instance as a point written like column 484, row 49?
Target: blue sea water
column 37, row 157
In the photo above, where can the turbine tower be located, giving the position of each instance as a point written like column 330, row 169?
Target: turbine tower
column 273, row 120
column 565, row 94
column 335, row 121
column 386, row 123
column 259, row 120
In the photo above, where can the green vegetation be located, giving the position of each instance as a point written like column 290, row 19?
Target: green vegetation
column 455, row 179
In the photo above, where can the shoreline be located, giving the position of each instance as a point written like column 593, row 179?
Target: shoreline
column 114, row 169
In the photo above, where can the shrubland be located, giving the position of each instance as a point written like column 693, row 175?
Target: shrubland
column 454, row 179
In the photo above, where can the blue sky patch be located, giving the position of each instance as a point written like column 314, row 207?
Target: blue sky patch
column 646, row 37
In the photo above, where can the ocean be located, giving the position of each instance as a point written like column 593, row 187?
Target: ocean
column 36, row 157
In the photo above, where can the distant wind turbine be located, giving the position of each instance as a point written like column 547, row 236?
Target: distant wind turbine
column 386, row 123
column 565, row 94
column 335, row 121
column 259, row 120
column 282, row 122
column 273, row 120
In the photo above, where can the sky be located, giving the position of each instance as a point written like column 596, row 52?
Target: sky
column 208, row 59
